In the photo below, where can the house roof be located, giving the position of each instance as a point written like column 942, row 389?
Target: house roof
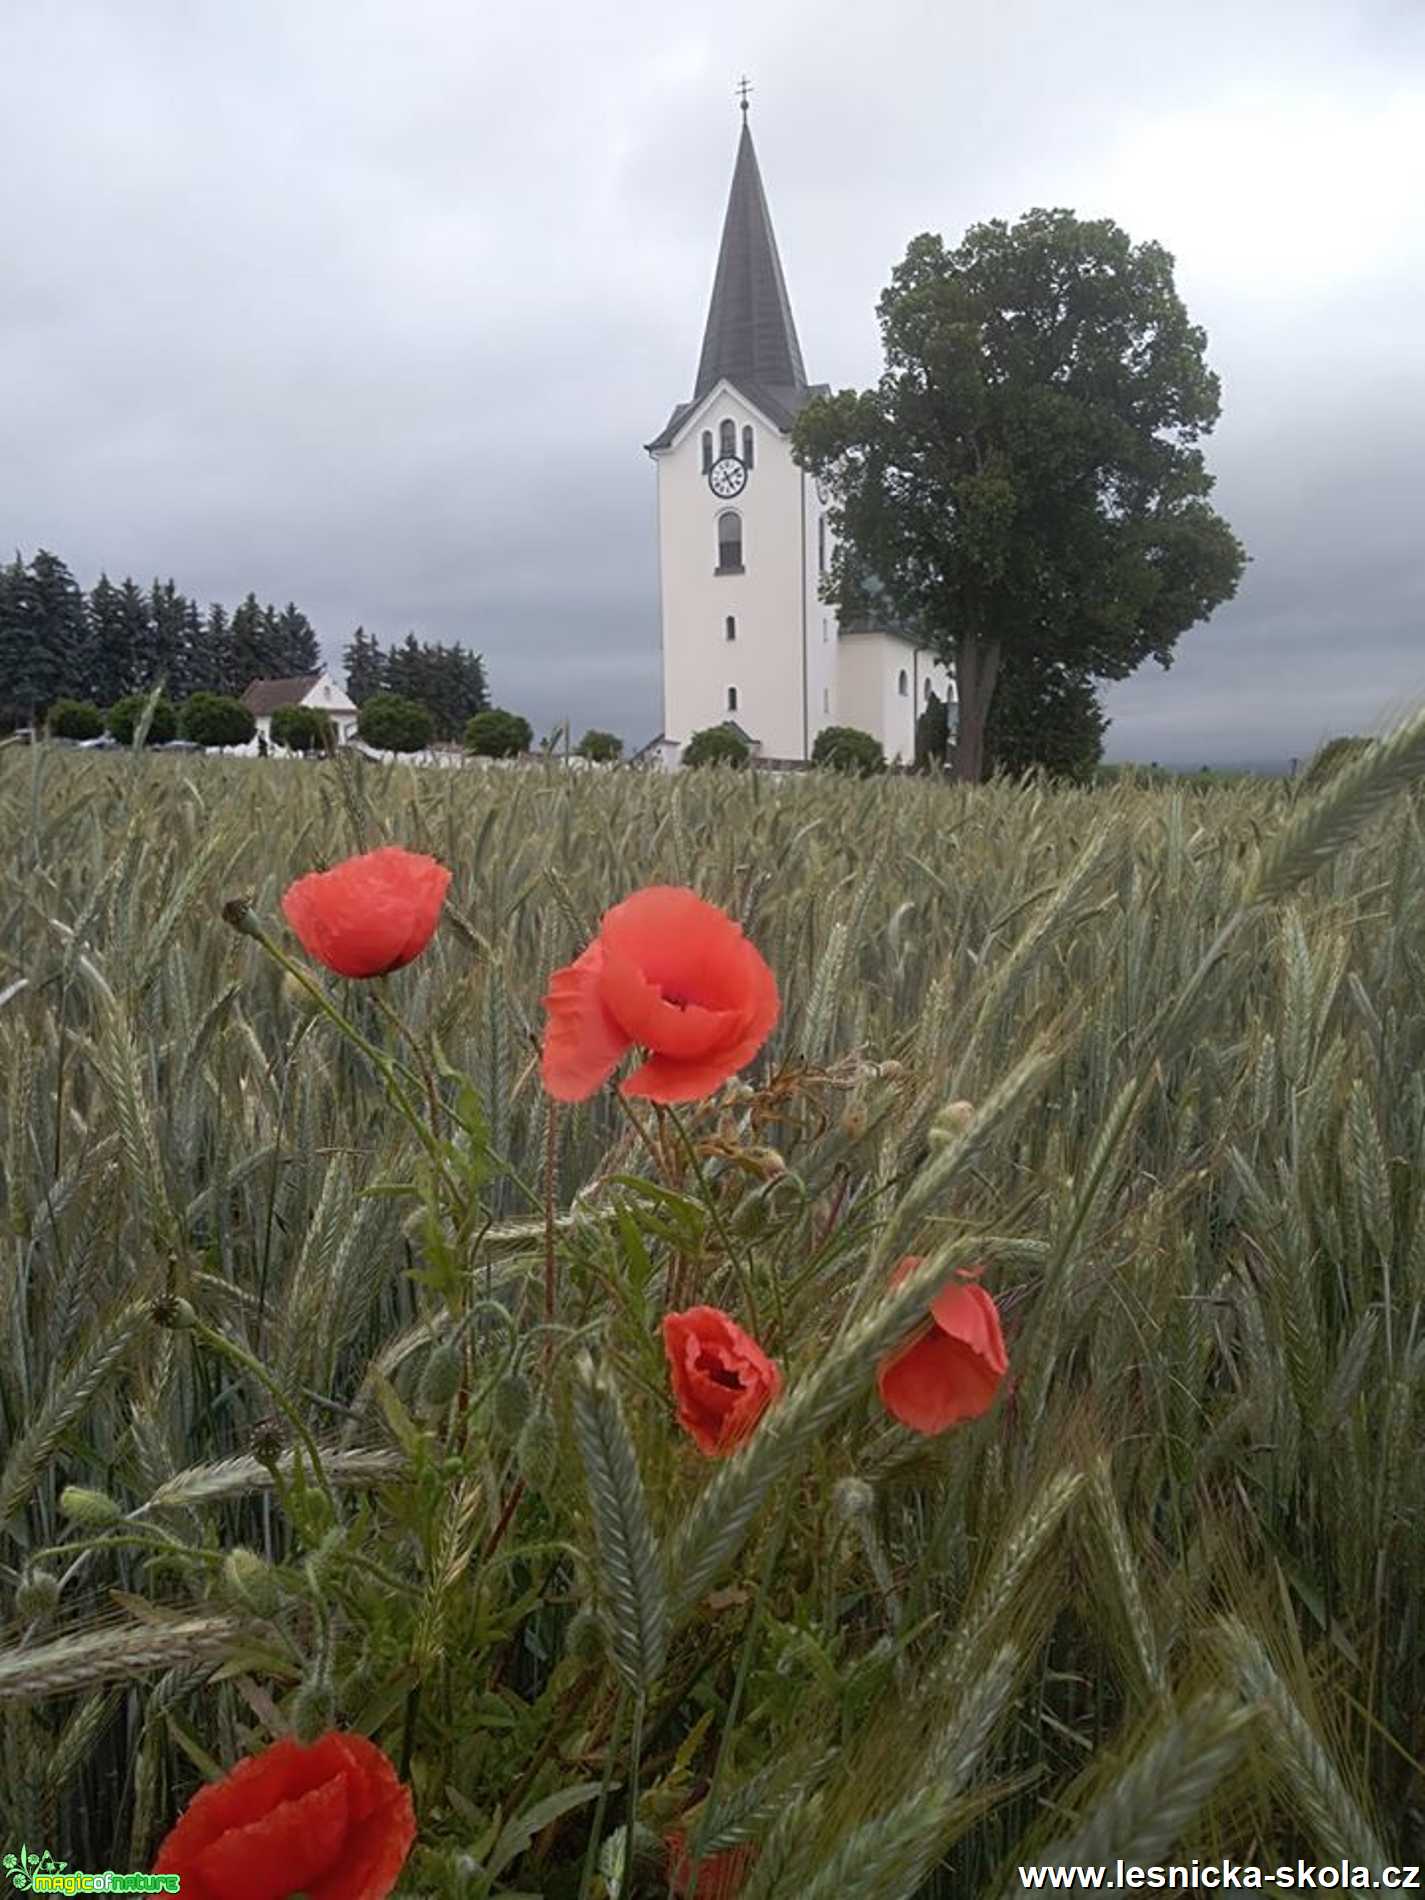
column 750, row 339
column 265, row 696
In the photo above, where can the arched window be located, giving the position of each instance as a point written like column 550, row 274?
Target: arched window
column 826, row 699
column 730, row 629
column 747, row 443
column 729, row 542
column 727, row 444
column 732, row 699
column 821, row 544
column 707, row 450
column 903, row 684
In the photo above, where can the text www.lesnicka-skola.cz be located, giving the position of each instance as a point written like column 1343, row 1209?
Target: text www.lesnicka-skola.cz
column 1215, row 1875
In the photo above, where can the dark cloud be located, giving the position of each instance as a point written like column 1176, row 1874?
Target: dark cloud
column 371, row 305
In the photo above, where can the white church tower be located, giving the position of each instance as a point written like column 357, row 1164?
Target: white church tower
column 743, row 537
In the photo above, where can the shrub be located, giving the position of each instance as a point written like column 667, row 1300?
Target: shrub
column 716, row 745
column 848, row 749
column 305, row 729
column 602, row 747
column 75, row 719
column 392, row 724
column 126, row 715
column 1344, row 750
column 214, row 719
column 498, row 735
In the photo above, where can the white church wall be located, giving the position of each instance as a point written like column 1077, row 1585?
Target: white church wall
column 823, row 664
column 764, row 662
column 874, row 667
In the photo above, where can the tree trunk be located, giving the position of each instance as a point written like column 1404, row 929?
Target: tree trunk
column 976, row 670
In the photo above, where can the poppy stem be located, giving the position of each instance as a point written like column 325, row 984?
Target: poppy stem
column 551, row 1162
column 764, row 1584
column 742, row 1267
column 229, row 1349
column 387, row 1067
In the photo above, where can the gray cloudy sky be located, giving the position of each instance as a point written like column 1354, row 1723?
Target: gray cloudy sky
column 370, row 304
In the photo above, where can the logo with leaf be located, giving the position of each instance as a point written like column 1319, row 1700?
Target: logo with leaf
column 23, row 1867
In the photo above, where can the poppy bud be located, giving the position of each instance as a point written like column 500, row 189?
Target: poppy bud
column 440, row 1379
column 313, row 1707
column 37, row 1596
column 251, row 1581
column 173, row 1312
column 951, row 1123
column 92, row 1508
column 268, row 1441
column 852, row 1498
column 537, row 1448
column 239, row 914
column 648, row 1856
column 512, row 1402
column 584, row 1638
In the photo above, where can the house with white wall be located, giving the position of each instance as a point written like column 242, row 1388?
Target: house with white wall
column 319, row 690
column 744, row 538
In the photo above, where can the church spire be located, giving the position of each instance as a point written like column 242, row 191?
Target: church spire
column 750, row 337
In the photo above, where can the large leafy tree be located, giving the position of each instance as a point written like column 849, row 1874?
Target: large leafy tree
column 1043, row 715
column 1026, row 478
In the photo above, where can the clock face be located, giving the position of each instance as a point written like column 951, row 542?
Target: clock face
column 727, row 477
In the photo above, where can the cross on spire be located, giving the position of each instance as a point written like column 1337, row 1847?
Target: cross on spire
column 742, row 88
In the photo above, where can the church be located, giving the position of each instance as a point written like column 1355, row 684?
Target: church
column 744, row 542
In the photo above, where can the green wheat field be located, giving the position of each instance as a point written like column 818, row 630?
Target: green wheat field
column 1166, row 1600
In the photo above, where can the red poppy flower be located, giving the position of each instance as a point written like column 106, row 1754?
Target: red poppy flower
column 952, row 1371
column 667, row 973
column 330, row 1821
column 720, row 1876
column 369, row 915
column 722, row 1379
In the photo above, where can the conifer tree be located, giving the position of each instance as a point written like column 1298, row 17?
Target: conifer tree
column 135, row 639
column 218, row 658
column 43, row 636
column 108, row 673
column 295, row 641
column 251, row 655
column 169, row 656
column 365, row 666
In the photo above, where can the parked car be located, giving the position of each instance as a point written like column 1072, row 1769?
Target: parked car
column 106, row 742
column 177, row 745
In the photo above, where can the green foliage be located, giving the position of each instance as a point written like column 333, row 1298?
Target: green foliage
column 932, row 734
column 1336, row 753
column 716, row 745
column 303, row 729
column 1025, row 478
column 498, row 735
column 376, row 1407
column 604, row 748
column 211, row 719
column 1043, row 716
column 392, row 724
column 75, row 719
column 848, row 749
column 125, row 716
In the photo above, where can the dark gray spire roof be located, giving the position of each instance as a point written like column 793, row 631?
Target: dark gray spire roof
column 750, row 339
column 750, row 335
